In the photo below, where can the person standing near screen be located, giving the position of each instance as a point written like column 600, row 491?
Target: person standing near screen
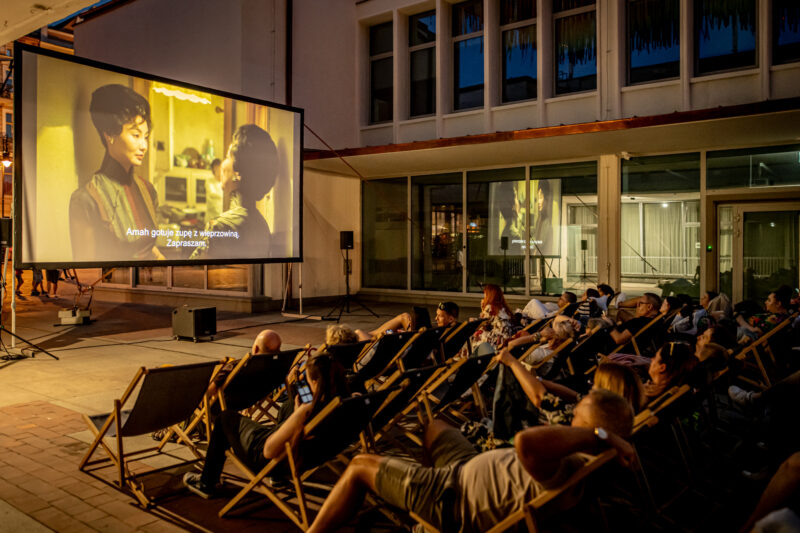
column 113, row 215
column 248, row 173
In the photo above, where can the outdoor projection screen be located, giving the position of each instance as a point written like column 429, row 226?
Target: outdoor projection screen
column 120, row 168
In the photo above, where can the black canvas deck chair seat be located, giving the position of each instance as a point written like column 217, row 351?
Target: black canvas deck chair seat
column 531, row 511
column 458, row 336
column 338, row 426
column 378, row 357
column 167, row 396
column 418, row 352
column 642, row 337
column 346, row 353
column 757, row 356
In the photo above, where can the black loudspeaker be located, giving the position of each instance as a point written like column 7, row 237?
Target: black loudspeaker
column 5, row 232
column 194, row 322
column 346, row 240
column 584, row 244
column 504, row 243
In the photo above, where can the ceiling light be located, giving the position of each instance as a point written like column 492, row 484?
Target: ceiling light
column 665, row 204
column 6, row 159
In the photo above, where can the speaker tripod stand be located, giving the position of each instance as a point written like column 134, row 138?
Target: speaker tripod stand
column 343, row 305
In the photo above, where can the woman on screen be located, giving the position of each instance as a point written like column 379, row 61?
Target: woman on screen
column 542, row 235
column 249, row 172
column 112, row 216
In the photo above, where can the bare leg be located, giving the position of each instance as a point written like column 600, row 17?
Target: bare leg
column 348, row 493
column 363, row 335
column 783, row 485
column 431, row 433
column 403, row 320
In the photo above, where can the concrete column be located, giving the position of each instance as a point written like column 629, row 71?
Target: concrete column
column 608, row 226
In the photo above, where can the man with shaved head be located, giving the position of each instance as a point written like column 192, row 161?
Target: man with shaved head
column 267, row 341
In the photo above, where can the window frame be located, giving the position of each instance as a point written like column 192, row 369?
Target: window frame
column 454, row 40
column 696, row 21
column 565, row 14
column 533, row 21
column 372, row 59
column 417, row 48
column 628, row 82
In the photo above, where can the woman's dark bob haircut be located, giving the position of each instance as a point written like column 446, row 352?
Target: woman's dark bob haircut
column 115, row 105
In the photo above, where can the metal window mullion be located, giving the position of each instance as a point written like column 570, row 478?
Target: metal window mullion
column 467, row 36
column 641, row 236
column 520, row 24
column 422, row 46
column 576, row 11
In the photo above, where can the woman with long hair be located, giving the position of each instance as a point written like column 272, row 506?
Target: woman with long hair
column 257, row 444
column 670, row 366
column 499, row 329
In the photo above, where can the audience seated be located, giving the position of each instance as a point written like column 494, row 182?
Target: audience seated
column 606, row 295
column 561, row 332
column 670, row 366
column 536, row 310
column 777, row 310
column 471, row 492
column 647, row 308
column 446, row 314
column 340, row 334
column 499, row 328
column 267, row 341
column 255, row 444
column 588, row 307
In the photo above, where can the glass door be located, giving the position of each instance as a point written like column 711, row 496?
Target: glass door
column 765, row 245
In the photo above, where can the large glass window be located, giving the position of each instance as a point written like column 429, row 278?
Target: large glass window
column 562, row 210
column 468, row 54
column 189, row 277
column 660, row 222
column 228, row 277
column 496, row 229
column 380, row 73
column 754, row 167
column 384, row 233
column 436, row 232
column 575, row 45
column 785, row 31
column 518, row 30
column 422, row 63
column 653, row 40
column 725, row 35
column 151, row 276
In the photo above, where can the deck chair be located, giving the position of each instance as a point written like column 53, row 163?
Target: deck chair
column 378, row 357
column 167, row 396
column 563, row 347
column 419, row 351
column 457, row 337
column 335, row 428
column 637, row 338
column 754, row 355
column 347, row 353
column 531, row 511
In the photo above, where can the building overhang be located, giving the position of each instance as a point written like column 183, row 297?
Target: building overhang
column 757, row 124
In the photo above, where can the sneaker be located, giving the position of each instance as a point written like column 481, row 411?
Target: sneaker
column 741, row 397
column 278, row 483
column 34, row 293
column 193, row 482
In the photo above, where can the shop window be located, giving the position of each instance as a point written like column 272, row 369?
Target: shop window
column 785, row 31
column 436, row 232
column 468, row 55
column 228, row 277
column 562, row 214
column 725, row 35
column 496, row 214
column 575, row 46
column 385, row 233
column 518, row 34
column 660, row 225
column 422, row 63
column 381, row 68
column 754, row 167
column 189, row 277
column 653, row 40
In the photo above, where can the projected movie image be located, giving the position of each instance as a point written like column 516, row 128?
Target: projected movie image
column 123, row 169
column 507, row 217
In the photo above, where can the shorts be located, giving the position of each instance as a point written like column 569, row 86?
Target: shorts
column 430, row 492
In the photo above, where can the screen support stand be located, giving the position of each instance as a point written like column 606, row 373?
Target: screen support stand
column 299, row 314
column 12, row 331
column 344, row 303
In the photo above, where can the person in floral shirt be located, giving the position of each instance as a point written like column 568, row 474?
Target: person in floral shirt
column 500, row 326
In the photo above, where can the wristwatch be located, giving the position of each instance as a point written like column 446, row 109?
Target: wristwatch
column 601, row 434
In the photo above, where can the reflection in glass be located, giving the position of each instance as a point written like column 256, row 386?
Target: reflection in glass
column 423, row 82
column 771, row 251
column 725, row 249
column 653, row 40
column 228, row 277
column 121, row 275
column 189, row 277
column 384, row 233
column 725, row 35
column 380, row 38
column 519, row 64
column 436, row 237
column 151, row 276
column 496, row 229
column 660, row 225
column 785, row 31
column 576, row 53
column 516, row 10
column 468, row 73
column 381, row 89
column 753, row 167
column 422, row 28
column 467, row 17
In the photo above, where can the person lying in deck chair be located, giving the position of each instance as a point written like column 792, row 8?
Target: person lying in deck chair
column 479, row 490
column 257, row 444
column 267, row 341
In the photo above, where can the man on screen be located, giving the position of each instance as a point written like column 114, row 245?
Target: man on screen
column 248, row 172
column 112, row 216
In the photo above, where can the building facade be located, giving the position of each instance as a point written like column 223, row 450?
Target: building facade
column 538, row 144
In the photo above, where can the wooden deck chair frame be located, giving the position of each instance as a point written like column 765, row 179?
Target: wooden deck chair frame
column 262, row 409
column 189, row 388
column 452, row 343
column 382, row 359
column 298, row 513
column 657, row 319
column 530, row 511
column 754, row 351
column 555, row 353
